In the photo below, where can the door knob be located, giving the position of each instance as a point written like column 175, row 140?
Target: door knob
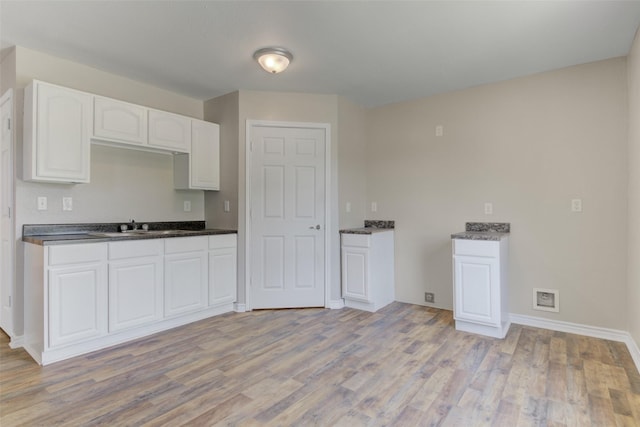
column 317, row 227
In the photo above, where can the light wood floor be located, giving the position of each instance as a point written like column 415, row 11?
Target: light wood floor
column 404, row 366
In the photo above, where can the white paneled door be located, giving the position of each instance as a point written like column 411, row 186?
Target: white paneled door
column 287, row 212
column 6, row 213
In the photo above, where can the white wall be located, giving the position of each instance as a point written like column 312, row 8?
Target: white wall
column 633, row 297
column 529, row 146
column 125, row 184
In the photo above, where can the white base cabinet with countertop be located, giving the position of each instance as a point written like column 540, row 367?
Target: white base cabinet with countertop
column 223, row 269
column 84, row 297
column 135, row 283
column 368, row 270
column 480, row 286
column 185, row 266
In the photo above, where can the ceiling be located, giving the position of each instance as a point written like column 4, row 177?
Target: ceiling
column 372, row 52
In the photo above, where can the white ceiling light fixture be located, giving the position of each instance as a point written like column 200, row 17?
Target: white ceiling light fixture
column 273, row 60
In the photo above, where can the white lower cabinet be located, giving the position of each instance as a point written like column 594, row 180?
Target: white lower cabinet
column 78, row 296
column 368, row 270
column 84, row 297
column 135, row 283
column 222, row 269
column 480, row 290
column 185, row 267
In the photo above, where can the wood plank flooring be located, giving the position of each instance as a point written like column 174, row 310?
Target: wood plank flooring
column 403, row 366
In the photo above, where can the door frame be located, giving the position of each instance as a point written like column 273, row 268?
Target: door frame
column 250, row 124
column 10, row 287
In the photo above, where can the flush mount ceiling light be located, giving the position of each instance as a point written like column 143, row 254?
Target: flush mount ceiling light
column 273, row 59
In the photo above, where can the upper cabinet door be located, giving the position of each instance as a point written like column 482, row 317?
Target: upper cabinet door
column 171, row 131
column 205, row 155
column 119, row 121
column 57, row 126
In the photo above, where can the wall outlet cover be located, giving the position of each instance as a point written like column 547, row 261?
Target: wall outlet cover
column 42, row 203
column 429, row 297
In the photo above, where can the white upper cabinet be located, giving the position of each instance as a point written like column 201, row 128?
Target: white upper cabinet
column 57, row 129
column 169, row 131
column 199, row 170
column 119, row 121
column 61, row 123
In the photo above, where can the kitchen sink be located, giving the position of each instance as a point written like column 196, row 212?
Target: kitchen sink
column 140, row 233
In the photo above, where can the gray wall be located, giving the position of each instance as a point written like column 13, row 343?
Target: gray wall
column 224, row 110
column 633, row 297
column 529, row 146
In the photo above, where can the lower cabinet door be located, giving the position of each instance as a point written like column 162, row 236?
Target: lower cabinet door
column 77, row 304
column 222, row 276
column 135, row 292
column 355, row 273
column 477, row 289
column 185, row 282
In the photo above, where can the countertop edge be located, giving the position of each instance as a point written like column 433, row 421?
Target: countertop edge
column 480, row 235
column 69, row 239
column 365, row 230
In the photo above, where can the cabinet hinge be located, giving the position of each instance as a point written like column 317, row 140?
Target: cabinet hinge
column 9, row 211
column 251, row 146
column 10, row 301
column 8, row 123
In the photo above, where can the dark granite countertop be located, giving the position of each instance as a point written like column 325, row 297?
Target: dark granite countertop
column 61, row 234
column 370, row 227
column 493, row 231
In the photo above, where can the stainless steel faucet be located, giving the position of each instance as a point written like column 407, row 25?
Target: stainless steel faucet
column 134, row 226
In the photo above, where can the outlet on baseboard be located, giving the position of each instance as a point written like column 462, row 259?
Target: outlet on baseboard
column 429, row 297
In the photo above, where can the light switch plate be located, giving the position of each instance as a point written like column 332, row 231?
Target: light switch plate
column 348, row 207
column 488, row 208
column 227, row 206
column 187, row 206
column 374, row 206
column 67, row 204
column 576, row 205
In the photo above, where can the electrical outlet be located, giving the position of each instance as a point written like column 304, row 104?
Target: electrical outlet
column 374, row 206
column 439, row 130
column 488, row 208
column 187, row 206
column 42, row 203
column 348, row 207
column 429, row 297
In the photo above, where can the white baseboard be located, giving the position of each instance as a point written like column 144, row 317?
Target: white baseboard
column 635, row 351
column 586, row 330
column 16, row 342
column 239, row 307
column 336, row 304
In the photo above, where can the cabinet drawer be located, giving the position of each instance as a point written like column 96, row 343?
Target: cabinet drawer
column 361, row 240
column 487, row 248
column 223, row 241
column 77, row 254
column 185, row 244
column 138, row 248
